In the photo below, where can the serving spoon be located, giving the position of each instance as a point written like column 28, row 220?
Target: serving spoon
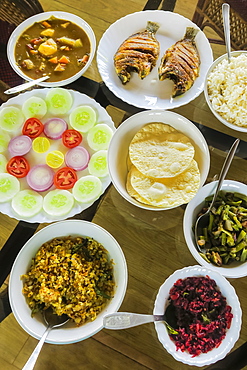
column 203, row 220
column 52, row 321
column 125, row 320
column 25, row 86
column 226, row 25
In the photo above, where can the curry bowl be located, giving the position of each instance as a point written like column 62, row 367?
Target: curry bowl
column 59, row 44
column 69, row 333
column 227, row 291
column 225, row 90
column 118, row 153
column 235, row 269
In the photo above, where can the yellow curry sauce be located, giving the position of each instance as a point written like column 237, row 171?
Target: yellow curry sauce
column 54, row 47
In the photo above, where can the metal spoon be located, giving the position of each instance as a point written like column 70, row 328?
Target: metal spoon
column 124, row 320
column 226, row 25
column 202, row 221
column 25, row 86
column 52, row 321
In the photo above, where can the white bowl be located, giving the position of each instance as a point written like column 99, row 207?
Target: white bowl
column 232, row 333
column 41, row 17
column 216, row 114
column 69, row 333
column 234, row 270
column 119, row 147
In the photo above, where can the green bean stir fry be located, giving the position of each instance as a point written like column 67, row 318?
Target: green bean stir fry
column 225, row 237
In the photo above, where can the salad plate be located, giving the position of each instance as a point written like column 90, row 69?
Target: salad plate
column 36, row 159
column 150, row 93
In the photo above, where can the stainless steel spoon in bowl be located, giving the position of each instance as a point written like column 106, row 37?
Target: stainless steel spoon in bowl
column 226, row 25
column 52, row 321
column 125, row 320
column 202, row 221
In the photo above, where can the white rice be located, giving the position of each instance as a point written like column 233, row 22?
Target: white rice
column 227, row 90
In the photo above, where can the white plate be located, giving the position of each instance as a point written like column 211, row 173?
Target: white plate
column 69, row 333
column 232, row 333
column 78, row 99
column 150, row 93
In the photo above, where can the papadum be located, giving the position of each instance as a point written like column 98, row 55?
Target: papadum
column 168, row 192
column 160, row 151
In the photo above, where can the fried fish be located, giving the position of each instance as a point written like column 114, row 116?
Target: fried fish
column 181, row 63
column 138, row 53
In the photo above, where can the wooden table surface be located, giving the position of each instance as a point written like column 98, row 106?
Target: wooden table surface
column 153, row 242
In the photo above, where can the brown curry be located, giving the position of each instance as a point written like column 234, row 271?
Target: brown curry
column 54, row 47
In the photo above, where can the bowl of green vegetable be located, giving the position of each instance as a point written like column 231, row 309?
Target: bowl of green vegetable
column 224, row 240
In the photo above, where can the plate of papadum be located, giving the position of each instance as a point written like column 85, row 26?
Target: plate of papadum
column 158, row 160
column 130, row 59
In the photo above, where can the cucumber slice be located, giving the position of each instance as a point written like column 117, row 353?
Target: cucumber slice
column 11, row 118
column 83, row 118
column 27, row 203
column 4, row 140
column 87, row 189
column 99, row 137
column 97, row 165
column 3, row 163
column 34, row 107
column 9, row 186
column 59, row 101
column 58, row 202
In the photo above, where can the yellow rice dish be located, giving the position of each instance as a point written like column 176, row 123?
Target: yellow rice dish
column 74, row 276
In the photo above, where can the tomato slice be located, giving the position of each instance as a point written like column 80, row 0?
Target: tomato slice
column 71, row 138
column 65, row 178
column 18, row 166
column 32, row 127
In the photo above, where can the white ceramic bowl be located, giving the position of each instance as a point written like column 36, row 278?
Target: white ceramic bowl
column 234, row 270
column 69, row 333
column 44, row 16
column 232, row 334
column 217, row 115
column 119, row 146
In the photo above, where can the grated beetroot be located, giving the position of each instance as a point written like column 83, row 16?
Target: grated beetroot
column 203, row 315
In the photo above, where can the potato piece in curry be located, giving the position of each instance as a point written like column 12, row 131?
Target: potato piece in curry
column 54, row 47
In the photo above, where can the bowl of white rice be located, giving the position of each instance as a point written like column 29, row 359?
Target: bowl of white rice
column 226, row 90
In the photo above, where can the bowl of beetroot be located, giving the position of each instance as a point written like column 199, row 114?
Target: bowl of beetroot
column 207, row 315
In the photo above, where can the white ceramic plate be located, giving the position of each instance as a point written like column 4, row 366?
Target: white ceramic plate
column 234, row 270
column 232, row 333
column 69, row 333
column 119, row 148
column 78, row 99
column 150, row 93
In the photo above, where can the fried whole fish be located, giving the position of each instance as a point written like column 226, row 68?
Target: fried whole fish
column 138, row 53
column 181, row 63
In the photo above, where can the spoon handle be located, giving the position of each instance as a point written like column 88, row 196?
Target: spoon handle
column 26, row 85
column 225, row 169
column 124, row 320
column 33, row 358
column 226, row 25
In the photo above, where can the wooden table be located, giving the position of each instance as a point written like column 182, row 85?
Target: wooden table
column 153, row 242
